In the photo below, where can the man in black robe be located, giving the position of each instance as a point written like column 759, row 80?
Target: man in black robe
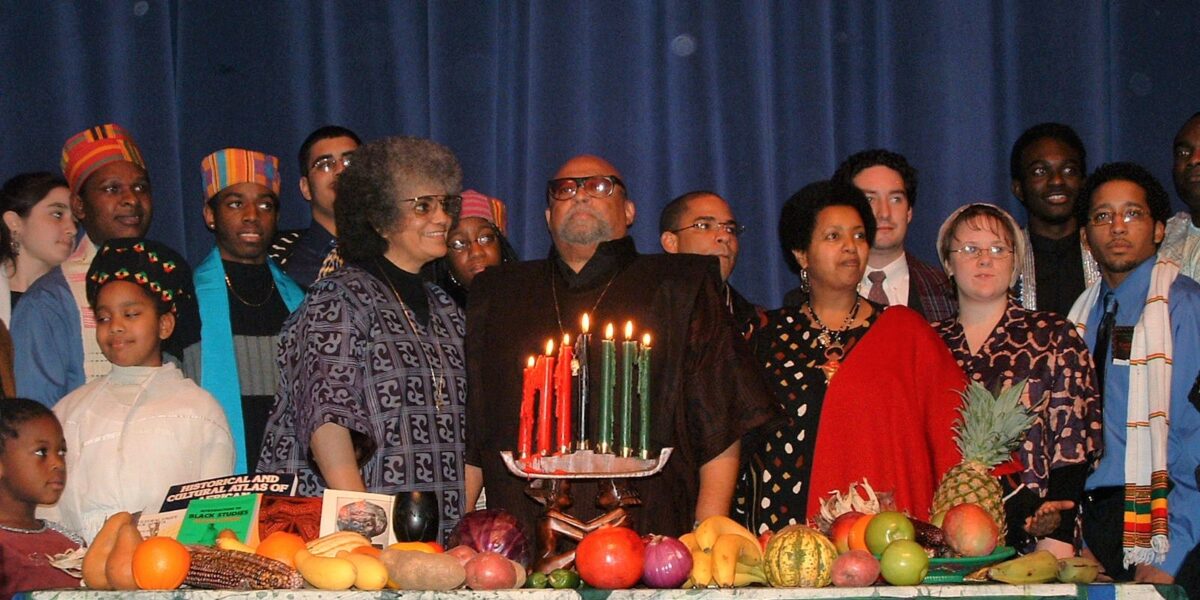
column 706, row 391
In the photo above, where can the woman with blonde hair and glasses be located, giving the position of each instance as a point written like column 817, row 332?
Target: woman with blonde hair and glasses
column 999, row 344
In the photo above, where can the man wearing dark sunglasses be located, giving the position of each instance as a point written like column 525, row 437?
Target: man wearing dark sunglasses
column 704, row 387
column 306, row 254
column 701, row 222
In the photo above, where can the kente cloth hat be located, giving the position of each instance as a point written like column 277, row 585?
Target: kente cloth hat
column 92, row 148
column 232, row 166
column 475, row 204
column 154, row 266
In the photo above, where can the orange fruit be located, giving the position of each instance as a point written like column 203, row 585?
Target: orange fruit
column 281, row 546
column 858, row 533
column 160, row 563
column 368, row 550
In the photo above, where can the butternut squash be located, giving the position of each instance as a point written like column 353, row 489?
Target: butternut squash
column 100, row 548
column 119, row 567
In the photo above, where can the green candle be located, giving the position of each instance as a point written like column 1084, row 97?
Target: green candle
column 608, row 368
column 643, row 369
column 628, row 353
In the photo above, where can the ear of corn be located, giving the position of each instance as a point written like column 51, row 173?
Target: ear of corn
column 213, row 568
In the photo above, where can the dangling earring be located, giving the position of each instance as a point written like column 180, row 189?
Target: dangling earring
column 804, row 287
column 15, row 246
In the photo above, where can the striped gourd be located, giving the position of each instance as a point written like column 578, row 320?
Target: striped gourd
column 799, row 556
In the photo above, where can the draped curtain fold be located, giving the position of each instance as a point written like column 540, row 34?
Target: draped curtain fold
column 751, row 99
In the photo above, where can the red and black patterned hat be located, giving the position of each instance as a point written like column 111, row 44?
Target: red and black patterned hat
column 152, row 265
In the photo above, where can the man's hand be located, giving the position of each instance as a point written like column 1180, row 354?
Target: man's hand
column 1047, row 517
column 1151, row 574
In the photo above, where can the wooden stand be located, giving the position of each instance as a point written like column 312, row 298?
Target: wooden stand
column 615, row 496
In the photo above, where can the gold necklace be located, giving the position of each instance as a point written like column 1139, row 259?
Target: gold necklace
column 832, row 340
column 439, row 381
column 270, row 293
column 591, row 313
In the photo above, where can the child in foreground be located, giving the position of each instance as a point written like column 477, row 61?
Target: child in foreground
column 143, row 427
column 33, row 470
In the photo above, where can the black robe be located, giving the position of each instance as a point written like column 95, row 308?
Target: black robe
column 707, row 391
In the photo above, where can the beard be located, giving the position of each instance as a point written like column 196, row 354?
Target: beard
column 583, row 226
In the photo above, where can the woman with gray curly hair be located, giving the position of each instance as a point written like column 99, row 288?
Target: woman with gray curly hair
column 373, row 383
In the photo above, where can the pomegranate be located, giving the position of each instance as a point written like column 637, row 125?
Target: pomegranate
column 856, row 568
column 970, row 530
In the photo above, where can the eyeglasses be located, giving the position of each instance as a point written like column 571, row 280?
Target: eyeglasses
column 462, row 244
column 598, row 186
column 975, row 252
column 1105, row 217
column 712, row 226
column 423, row 205
column 326, row 164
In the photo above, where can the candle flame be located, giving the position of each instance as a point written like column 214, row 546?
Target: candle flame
column 550, row 347
column 587, row 322
column 646, row 340
column 608, row 331
column 530, row 362
column 628, row 330
column 566, row 340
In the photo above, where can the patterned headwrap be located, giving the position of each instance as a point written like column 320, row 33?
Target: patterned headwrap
column 492, row 210
column 232, row 166
column 88, row 150
column 160, row 270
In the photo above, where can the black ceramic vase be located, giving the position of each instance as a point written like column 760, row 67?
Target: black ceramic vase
column 415, row 517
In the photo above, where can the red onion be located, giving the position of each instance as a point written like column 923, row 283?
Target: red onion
column 668, row 562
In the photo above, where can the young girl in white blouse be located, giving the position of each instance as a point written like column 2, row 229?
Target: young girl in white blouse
column 143, row 427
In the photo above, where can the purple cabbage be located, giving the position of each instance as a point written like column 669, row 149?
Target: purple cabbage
column 492, row 530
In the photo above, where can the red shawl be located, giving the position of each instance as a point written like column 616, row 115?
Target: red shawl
column 888, row 413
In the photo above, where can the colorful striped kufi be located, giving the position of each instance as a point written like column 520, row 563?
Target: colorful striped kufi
column 232, row 166
column 92, row 148
column 490, row 209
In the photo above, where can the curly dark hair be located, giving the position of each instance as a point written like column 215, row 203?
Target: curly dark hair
column 20, row 194
column 1156, row 196
column 799, row 215
column 383, row 172
column 16, row 411
column 860, row 161
column 1041, row 131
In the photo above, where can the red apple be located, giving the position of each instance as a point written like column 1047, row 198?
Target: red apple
column 970, row 530
column 765, row 537
column 839, row 531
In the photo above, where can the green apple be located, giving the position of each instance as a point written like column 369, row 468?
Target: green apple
column 904, row 562
column 886, row 528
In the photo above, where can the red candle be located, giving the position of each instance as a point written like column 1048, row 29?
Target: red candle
column 525, row 434
column 545, row 420
column 562, row 392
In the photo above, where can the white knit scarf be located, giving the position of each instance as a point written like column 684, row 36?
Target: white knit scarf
column 1146, row 429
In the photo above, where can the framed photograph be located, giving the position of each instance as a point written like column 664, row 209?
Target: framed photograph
column 368, row 514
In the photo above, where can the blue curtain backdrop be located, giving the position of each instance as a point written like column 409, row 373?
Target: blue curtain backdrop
column 751, row 99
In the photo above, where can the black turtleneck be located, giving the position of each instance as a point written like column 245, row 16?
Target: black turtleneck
column 409, row 286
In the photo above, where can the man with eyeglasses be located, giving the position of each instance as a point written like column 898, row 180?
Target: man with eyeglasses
column 701, row 222
column 1183, row 230
column 705, row 389
column 244, row 297
column 1048, row 164
column 308, row 254
column 1141, row 511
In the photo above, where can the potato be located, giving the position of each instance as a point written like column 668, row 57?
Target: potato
column 413, row 570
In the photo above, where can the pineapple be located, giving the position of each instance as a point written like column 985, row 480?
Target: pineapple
column 987, row 431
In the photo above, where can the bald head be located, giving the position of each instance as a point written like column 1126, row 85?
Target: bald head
column 591, row 206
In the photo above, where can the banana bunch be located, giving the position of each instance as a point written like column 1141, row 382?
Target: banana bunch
column 330, row 545
column 1078, row 569
column 1035, row 567
column 724, row 554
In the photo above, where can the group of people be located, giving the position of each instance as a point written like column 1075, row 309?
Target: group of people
column 380, row 349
